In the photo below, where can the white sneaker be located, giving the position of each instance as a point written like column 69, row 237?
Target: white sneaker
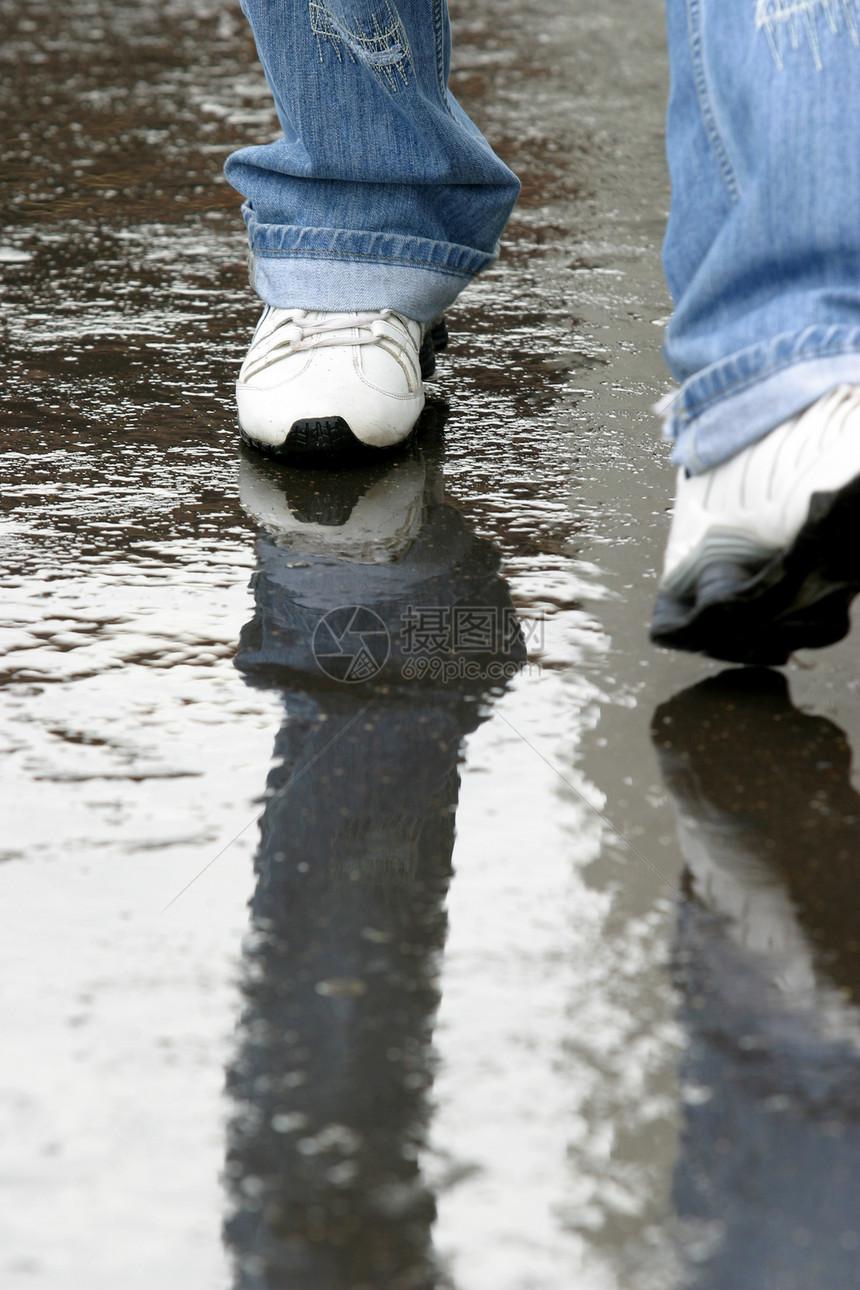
column 762, row 556
column 317, row 382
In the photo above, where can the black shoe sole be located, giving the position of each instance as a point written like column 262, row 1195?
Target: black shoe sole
column 798, row 600
column 332, row 436
column 313, row 437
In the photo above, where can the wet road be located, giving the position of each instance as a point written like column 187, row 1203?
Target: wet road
column 527, row 958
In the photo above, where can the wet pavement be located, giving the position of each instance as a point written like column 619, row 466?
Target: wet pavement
column 507, row 952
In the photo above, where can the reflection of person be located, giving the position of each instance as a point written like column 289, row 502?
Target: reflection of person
column 381, row 201
column 333, row 1066
column 767, row 1186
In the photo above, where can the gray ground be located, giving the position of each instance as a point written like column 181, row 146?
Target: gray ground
column 608, row 1037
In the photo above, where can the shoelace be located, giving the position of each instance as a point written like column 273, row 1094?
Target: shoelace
column 330, row 331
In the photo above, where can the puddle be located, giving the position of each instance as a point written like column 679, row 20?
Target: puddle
column 427, row 947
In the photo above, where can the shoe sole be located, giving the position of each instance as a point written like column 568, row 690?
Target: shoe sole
column 330, row 436
column 798, row 600
column 312, row 437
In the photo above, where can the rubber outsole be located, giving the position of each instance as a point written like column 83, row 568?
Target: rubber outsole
column 798, row 600
column 324, row 436
column 332, row 436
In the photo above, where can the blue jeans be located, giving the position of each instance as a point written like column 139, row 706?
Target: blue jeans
column 382, row 193
column 762, row 251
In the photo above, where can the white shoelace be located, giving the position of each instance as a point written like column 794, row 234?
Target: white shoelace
column 327, row 332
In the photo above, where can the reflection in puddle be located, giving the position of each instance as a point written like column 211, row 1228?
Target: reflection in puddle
column 334, row 1065
column 134, row 751
column 767, row 1186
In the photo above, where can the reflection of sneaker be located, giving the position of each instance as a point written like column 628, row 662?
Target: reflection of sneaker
column 762, row 555
column 318, row 382
column 373, row 549
column 367, row 516
column 769, row 825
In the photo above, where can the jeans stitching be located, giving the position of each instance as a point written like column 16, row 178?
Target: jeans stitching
column 711, row 129
column 688, row 413
column 776, row 17
column 361, row 255
column 385, row 49
column 439, row 9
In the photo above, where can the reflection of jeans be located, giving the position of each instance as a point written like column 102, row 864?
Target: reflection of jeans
column 382, row 193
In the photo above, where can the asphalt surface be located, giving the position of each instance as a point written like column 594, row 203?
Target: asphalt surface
column 523, row 960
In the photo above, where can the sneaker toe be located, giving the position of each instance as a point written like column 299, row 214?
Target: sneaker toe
column 365, row 387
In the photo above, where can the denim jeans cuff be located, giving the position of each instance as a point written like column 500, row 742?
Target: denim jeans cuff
column 347, row 286
column 732, row 404
column 341, row 270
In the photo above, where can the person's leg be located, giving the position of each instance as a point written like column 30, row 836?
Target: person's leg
column 372, row 213
column 762, row 250
column 762, row 256
column 381, row 194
